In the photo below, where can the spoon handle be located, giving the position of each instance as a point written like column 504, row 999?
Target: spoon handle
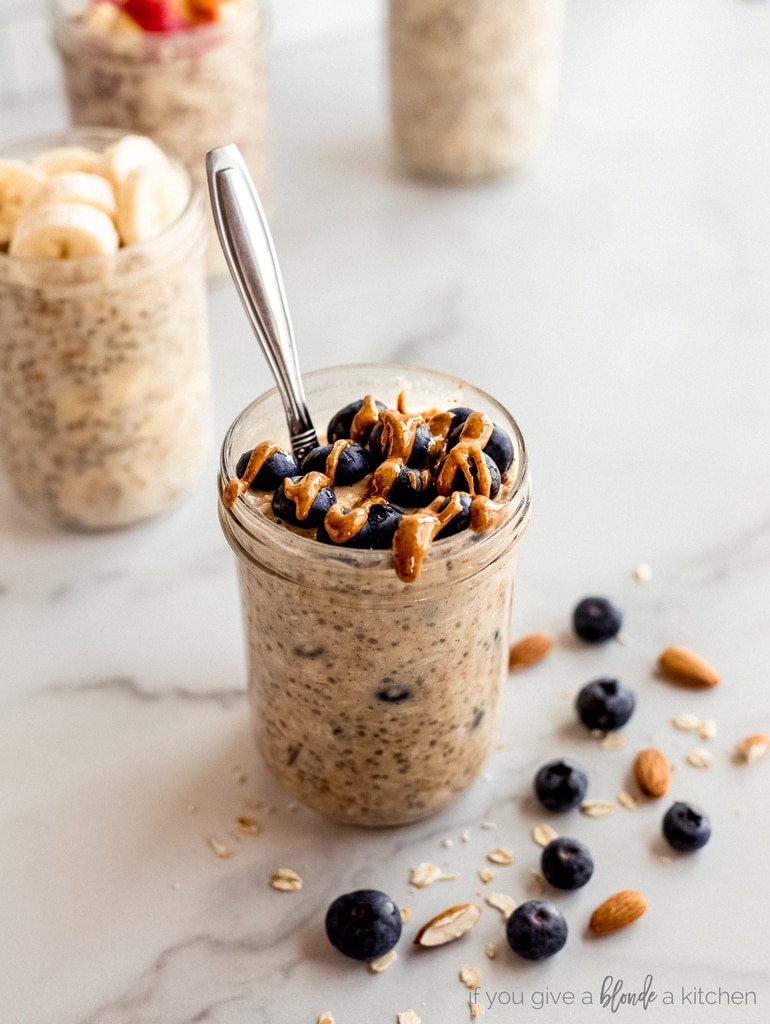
column 250, row 255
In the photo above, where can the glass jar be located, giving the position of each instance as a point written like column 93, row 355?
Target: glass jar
column 190, row 90
column 105, row 411
column 373, row 701
column 472, row 83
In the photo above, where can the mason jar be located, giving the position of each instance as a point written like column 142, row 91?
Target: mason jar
column 373, row 700
column 105, row 409
column 473, row 84
column 190, row 90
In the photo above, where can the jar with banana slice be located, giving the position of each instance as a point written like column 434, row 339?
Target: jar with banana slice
column 104, row 375
column 190, row 74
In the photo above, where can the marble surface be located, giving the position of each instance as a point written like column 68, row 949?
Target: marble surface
column 615, row 298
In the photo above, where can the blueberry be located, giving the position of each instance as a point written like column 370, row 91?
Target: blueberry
column 499, row 446
column 364, row 924
column 280, row 465
column 376, row 533
column 407, row 490
column 560, row 784
column 604, row 704
column 596, row 619
column 341, row 422
column 536, row 930
column 459, row 522
column 418, row 456
column 285, row 508
column 566, row 863
column 685, row 827
column 352, row 463
column 459, row 483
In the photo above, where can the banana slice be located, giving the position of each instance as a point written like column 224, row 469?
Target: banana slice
column 19, row 181
column 150, row 199
column 77, row 187
column 128, row 154
column 64, row 231
column 69, row 158
column 105, row 16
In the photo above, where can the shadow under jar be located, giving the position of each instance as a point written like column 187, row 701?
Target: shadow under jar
column 190, row 89
column 105, row 408
column 374, row 701
column 473, row 84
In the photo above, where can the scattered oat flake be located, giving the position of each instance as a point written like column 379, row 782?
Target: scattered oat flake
column 488, row 826
column 285, row 880
column 475, row 1008
column 407, row 1017
column 544, row 833
column 613, row 741
column 219, row 848
column 642, row 573
column 686, row 723
column 538, row 879
column 501, row 901
column 326, row 1018
column 469, row 976
column 486, row 875
column 699, row 758
column 447, row 843
column 424, row 874
column 753, row 748
column 465, row 836
column 707, row 729
column 249, row 826
column 382, row 963
column 500, row 855
column 406, row 914
column 627, row 800
column 489, row 951
column 597, row 808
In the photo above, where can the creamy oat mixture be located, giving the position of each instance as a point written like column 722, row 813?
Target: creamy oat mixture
column 374, row 700
column 190, row 87
column 472, row 83
column 104, row 380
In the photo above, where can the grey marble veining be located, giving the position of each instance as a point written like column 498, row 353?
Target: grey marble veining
column 615, row 298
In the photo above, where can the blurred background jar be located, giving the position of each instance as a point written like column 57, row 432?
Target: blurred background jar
column 190, row 74
column 105, row 406
column 473, row 83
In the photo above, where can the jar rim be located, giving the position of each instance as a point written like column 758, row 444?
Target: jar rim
column 244, row 523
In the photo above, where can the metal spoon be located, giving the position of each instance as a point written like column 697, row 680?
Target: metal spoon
column 248, row 248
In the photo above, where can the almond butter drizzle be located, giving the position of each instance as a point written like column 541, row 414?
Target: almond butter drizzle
column 333, row 458
column 399, row 431
column 305, row 491
column 342, row 524
column 416, row 532
column 259, row 456
column 466, row 456
column 364, row 419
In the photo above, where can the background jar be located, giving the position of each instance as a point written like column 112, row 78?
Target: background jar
column 373, row 701
column 472, row 83
column 190, row 90
column 105, row 406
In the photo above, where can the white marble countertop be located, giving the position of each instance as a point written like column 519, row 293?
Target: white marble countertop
column 617, row 300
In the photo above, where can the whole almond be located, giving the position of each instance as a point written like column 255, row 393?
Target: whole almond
column 681, row 666
column 652, row 772
column 450, row 924
column 528, row 650
column 617, row 911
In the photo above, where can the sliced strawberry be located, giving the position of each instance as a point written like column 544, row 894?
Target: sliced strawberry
column 156, row 15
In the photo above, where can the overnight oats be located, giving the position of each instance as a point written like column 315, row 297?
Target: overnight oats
column 189, row 73
column 104, row 377
column 472, row 83
column 377, row 584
